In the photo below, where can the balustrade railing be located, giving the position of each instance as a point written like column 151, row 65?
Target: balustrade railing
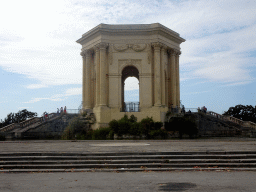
column 131, row 107
column 9, row 127
column 28, row 122
column 233, row 119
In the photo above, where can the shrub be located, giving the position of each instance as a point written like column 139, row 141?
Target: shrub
column 114, row 126
column 2, row 137
column 185, row 125
column 158, row 125
column 101, row 133
column 74, row 127
column 135, row 129
column 133, row 119
column 147, row 124
column 124, row 126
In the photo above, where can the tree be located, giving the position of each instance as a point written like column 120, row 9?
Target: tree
column 243, row 112
column 18, row 117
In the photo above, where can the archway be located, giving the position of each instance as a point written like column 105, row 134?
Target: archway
column 129, row 71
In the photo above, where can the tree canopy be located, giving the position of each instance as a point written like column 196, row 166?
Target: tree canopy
column 243, row 112
column 17, row 117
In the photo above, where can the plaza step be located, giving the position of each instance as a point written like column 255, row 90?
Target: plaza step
column 148, row 161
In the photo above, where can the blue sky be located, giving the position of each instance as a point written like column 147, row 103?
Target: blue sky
column 41, row 66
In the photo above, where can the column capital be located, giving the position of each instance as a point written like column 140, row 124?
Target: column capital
column 178, row 53
column 96, row 48
column 102, row 45
column 86, row 53
column 172, row 51
column 83, row 53
column 157, row 45
column 164, row 47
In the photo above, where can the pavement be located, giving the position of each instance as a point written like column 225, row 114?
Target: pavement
column 195, row 145
column 195, row 181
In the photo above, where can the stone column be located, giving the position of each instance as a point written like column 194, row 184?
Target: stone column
column 177, row 79
column 83, row 54
column 88, row 80
column 103, row 65
column 173, row 79
column 97, row 63
column 157, row 73
column 163, row 63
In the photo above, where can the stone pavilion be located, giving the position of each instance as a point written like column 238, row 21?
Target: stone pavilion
column 112, row 53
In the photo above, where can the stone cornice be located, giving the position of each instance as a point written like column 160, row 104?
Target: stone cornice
column 138, row 29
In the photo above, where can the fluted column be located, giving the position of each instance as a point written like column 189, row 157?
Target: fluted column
column 97, row 63
column 177, row 79
column 157, row 73
column 163, row 63
column 88, row 80
column 173, row 79
column 103, row 82
column 83, row 54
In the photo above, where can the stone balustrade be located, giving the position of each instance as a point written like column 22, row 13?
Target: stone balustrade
column 233, row 119
column 27, row 122
column 9, row 127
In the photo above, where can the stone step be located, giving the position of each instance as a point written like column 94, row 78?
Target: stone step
column 140, row 165
column 2, row 154
column 19, row 158
column 153, row 161
column 124, row 170
column 177, row 161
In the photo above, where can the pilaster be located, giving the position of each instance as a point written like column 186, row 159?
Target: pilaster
column 97, row 63
column 163, row 64
column 173, row 78
column 83, row 54
column 177, row 79
column 88, row 104
column 103, row 82
column 157, row 73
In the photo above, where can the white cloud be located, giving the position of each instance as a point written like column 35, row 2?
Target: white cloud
column 58, row 97
column 38, row 38
column 131, row 83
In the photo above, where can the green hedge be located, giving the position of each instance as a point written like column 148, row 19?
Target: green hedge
column 184, row 125
column 130, row 126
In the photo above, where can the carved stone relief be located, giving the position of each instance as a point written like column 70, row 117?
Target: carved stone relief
column 134, row 47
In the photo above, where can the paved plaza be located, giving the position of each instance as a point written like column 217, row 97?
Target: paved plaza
column 199, row 181
column 214, row 144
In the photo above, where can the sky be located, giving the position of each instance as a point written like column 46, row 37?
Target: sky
column 41, row 66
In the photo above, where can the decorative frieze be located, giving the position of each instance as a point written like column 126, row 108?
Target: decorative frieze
column 134, row 47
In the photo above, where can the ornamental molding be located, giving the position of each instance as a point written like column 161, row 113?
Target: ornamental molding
column 101, row 45
column 86, row 53
column 157, row 45
column 122, row 63
column 134, row 47
column 173, row 51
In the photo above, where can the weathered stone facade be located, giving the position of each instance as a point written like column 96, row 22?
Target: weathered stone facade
column 149, row 52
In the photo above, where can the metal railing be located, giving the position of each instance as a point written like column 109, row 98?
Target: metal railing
column 131, row 107
column 192, row 110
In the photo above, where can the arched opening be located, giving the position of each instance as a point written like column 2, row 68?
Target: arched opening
column 130, row 89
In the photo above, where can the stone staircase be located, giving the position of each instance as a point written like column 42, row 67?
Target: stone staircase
column 147, row 161
column 34, row 127
column 214, row 124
